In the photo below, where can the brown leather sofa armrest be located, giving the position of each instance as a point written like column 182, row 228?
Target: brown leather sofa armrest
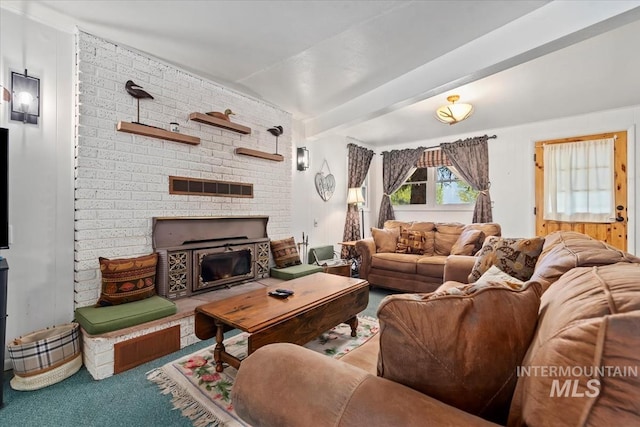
column 288, row 385
column 365, row 248
column 458, row 268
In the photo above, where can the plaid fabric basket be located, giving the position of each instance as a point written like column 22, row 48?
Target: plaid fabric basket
column 44, row 350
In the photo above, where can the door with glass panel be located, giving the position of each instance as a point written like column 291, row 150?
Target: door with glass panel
column 581, row 185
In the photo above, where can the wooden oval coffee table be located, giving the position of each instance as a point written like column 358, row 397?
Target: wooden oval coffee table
column 320, row 302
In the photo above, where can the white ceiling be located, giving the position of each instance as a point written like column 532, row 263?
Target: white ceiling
column 376, row 70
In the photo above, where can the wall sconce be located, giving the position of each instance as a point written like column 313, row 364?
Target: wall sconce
column 355, row 197
column 303, row 158
column 25, row 98
column 453, row 113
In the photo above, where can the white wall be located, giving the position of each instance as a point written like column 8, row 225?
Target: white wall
column 122, row 180
column 40, row 259
column 511, row 169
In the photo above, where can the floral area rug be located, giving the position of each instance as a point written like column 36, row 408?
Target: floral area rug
column 204, row 395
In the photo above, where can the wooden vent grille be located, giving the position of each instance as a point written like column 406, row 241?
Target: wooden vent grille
column 205, row 187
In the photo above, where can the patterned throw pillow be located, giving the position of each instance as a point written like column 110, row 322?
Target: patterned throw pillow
column 285, row 252
column 385, row 239
column 516, row 257
column 411, row 242
column 127, row 279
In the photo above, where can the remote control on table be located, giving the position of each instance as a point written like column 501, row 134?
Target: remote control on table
column 285, row 291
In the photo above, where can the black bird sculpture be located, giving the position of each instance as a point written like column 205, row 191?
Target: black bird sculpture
column 137, row 92
column 276, row 131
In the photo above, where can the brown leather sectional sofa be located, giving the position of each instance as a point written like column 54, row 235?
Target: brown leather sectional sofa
column 580, row 367
column 410, row 272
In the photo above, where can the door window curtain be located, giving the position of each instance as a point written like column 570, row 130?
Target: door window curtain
column 359, row 160
column 579, row 181
column 471, row 161
column 396, row 167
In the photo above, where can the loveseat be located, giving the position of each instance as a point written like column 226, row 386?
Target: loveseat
column 569, row 357
column 411, row 256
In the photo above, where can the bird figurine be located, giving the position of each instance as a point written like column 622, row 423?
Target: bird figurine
column 223, row 116
column 276, row 131
column 137, row 92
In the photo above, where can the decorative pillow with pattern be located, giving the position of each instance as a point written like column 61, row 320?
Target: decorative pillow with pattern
column 385, row 239
column 127, row 279
column 411, row 242
column 516, row 257
column 285, row 252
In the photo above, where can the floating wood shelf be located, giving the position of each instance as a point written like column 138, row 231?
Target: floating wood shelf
column 213, row 121
column 260, row 154
column 153, row 132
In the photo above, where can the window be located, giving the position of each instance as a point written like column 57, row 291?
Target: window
column 434, row 187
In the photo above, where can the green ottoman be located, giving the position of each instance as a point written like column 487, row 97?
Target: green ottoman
column 98, row 320
column 295, row 271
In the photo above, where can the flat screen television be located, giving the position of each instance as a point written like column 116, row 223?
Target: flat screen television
column 4, row 188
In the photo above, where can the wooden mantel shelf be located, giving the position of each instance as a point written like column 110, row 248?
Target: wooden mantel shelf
column 224, row 124
column 153, row 132
column 260, row 154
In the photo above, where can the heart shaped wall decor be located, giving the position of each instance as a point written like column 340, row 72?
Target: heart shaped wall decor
column 325, row 185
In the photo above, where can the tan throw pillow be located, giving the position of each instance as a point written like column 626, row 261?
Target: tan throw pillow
column 386, row 239
column 469, row 242
column 285, row 252
column 461, row 345
column 411, row 242
column 127, row 279
column 516, row 257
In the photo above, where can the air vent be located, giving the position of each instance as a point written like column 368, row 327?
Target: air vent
column 205, row 187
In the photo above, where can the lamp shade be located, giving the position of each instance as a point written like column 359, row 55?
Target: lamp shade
column 354, row 196
column 453, row 113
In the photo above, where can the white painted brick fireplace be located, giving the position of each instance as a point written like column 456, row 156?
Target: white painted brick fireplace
column 122, row 180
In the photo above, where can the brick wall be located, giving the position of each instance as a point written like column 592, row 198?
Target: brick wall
column 121, row 180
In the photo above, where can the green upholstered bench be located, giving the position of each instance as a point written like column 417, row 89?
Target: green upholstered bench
column 99, row 320
column 295, row 271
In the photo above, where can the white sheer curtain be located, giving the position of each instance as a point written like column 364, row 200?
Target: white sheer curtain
column 579, row 181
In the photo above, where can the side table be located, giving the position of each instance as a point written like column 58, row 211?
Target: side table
column 355, row 261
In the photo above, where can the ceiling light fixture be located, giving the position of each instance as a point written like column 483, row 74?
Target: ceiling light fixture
column 453, row 113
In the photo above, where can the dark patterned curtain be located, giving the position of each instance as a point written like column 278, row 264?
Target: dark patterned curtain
column 396, row 165
column 471, row 158
column 359, row 162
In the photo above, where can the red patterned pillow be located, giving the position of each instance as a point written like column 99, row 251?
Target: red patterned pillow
column 127, row 279
column 285, row 252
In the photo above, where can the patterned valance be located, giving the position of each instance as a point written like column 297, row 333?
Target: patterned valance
column 433, row 158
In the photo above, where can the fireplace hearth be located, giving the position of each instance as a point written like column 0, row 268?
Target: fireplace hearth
column 202, row 254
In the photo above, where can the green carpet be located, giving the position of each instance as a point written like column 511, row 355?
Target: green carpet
column 126, row 399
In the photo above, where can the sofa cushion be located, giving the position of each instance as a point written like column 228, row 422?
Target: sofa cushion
column 431, row 266
column 412, row 242
column 285, row 252
column 295, row 271
column 403, row 263
column 127, row 279
column 516, row 257
column 588, row 327
column 393, row 223
column 460, row 346
column 98, row 320
column 564, row 250
column 468, row 243
column 445, row 236
column 386, row 239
